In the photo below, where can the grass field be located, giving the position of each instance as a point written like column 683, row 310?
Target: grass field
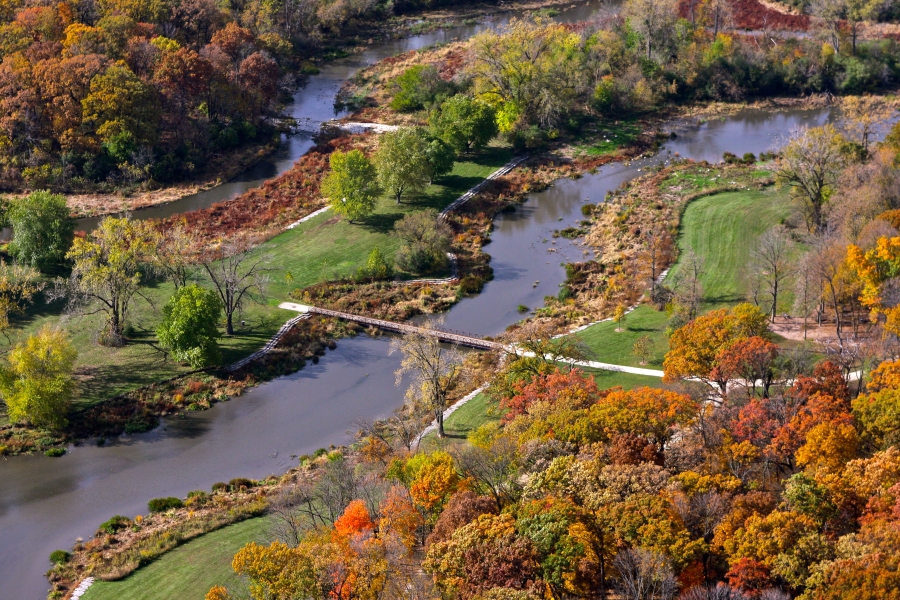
column 188, row 571
column 320, row 249
column 721, row 229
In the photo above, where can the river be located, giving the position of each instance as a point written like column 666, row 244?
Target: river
column 45, row 504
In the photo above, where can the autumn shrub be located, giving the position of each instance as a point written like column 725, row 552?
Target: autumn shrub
column 114, row 524
column 240, row 482
column 158, row 505
column 58, row 557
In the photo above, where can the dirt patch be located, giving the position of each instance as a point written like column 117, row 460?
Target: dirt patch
column 793, row 329
column 756, row 15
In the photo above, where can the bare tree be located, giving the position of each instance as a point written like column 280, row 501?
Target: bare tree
column 494, row 469
column 771, row 258
column 830, row 14
column 644, row 575
column 656, row 252
column 288, row 523
column 807, row 290
column 434, row 368
column 688, row 285
column 652, row 19
column 239, row 275
column 810, row 165
column 172, row 254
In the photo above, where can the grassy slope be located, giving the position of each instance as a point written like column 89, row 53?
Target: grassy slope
column 722, row 229
column 188, row 571
column 319, row 249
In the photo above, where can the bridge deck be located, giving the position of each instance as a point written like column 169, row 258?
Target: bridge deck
column 453, row 337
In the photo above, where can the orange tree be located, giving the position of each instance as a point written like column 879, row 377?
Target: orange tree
column 695, row 349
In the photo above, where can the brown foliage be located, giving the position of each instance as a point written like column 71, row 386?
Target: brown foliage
column 463, row 508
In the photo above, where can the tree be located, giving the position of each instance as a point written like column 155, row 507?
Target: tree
column 427, row 240
column 377, row 267
column 174, row 253
column 402, row 162
column 656, row 253
column 120, row 104
column 809, row 165
column 464, row 123
column 772, row 259
column 18, row 285
column 434, row 370
column 620, row 315
column 644, row 575
column 751, row 359
column 43, row 229
column 649, row 412
column 108, row 271
column 417, row 87
column 239, row 275
column 688, row 284
column 652, row 19
column 694, row 349
column 189, row 329
column 352, row 185
column 862, row 115
column 36, row 383
column 441, row 158
column 643, row 348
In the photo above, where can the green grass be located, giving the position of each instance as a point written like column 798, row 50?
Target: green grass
column 616, row 347
column 628, row 381
column 471, row 415
column 320, row 249
column 187, row 572
column 722, row 229
column 609, row 138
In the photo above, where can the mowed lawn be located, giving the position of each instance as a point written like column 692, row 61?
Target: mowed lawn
column 321, row 249
column 189, row 571
column 722, row 229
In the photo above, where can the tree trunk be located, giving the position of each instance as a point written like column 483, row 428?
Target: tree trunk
column 229, row 327
column 774, row 300
column 440, row 424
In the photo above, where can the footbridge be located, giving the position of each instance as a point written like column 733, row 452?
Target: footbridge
column 444, row 335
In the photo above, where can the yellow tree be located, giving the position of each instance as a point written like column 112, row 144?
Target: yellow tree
column 874, row 268
column 108, row 271
column 37, row 383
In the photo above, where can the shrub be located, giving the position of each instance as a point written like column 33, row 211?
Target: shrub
column 221, row 486
column 376, row 269
column 418, row 87
column 114, row 524
column 59, row 557
column 196, row 498
column 588, row 209
column 240, row 482
column 158, row 505
column 189, row 329
column 55, row 452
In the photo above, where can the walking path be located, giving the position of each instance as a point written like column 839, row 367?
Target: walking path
column 444, row 335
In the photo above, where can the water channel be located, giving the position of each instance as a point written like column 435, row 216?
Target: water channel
column 46, row 504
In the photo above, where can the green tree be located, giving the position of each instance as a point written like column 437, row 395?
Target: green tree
column 402, row 162
column 464, row 123
column 42, row 227
column 36, row 382
column 108, row 271
column 418, row 87
column 352, row 185
column 377, row 267
column 441, row 157
column 189, row 329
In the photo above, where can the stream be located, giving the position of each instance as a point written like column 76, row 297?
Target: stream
column 45, row 504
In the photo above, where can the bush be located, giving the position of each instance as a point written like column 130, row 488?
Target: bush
column 196, row 498
column 240, row 482
column 588, row 209
column 220, row 486
column 114, row 524
column 418, row 87
column 55, row 452
column 59, row 557
column 376, row 269
column 158, row 505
